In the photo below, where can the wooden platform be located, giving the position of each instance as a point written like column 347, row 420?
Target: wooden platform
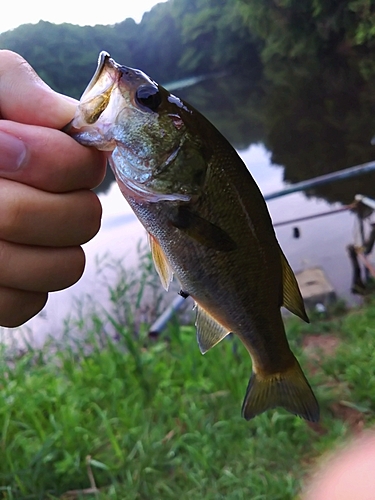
column 315, row 287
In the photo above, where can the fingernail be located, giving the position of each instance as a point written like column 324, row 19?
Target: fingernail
column 13, row 152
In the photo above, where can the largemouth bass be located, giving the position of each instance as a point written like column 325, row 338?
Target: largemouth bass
column 207, row 223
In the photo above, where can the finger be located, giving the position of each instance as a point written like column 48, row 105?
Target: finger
column 48, row 159
column 40, row 269
column 18, row 306
column 25, row 98
column 33, row 217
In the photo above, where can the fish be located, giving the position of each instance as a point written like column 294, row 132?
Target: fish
column 207, row 223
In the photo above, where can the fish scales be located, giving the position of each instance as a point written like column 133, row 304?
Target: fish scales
column 192, row 262
column 207, row 221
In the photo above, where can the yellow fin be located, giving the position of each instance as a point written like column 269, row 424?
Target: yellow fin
column 161, row 264
column 290, row 390
column 209, row 331
column 292, row 298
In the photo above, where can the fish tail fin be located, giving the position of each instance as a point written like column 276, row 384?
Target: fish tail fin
column 288, row 389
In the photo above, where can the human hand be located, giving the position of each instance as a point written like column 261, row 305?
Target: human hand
column 346, row 474
column 47, row 208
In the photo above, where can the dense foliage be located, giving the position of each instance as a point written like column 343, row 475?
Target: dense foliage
column 296, row 29
column 174, row 40
column 183, row 37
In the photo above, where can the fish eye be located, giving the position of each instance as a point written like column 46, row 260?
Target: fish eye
column 148, row 96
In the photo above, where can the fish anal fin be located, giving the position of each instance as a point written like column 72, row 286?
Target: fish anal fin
column 292, row 298
column 161, row 264
column 290, row 390
column 209, row 331
column 202, row 230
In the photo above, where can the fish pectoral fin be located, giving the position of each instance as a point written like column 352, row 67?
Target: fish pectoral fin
column 162, row 266
column 292, row 298
column 290, row 390
column 209, row 331
column 202, row 230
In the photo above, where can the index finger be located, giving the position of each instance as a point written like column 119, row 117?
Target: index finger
column 25, row 98
column 31, row 112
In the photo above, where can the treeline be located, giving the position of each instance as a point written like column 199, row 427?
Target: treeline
column 174, row 40
column 296, row 29
column 180, row 38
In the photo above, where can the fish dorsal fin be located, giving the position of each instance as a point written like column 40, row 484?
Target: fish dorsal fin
column 292, row 298
column 209, row 331
column 161, row 264
column 202, row 230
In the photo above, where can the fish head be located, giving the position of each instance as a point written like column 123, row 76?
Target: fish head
column 145, row 130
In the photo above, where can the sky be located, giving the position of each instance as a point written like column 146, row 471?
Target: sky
column 80, row 12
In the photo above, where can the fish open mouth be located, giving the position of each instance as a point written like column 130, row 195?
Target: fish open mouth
column 102, row 59
column 97, row 94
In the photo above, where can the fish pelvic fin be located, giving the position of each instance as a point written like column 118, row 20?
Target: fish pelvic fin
column 292, row 298
column 209, row 331
column 162, row 266
column 289, row 389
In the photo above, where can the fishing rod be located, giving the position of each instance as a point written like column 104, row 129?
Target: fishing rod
column 347, row 173
column 315, row 216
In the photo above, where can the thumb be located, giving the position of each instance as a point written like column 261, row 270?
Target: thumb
column 25, row 98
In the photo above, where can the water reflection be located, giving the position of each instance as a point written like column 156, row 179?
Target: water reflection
column 322, row 120
column 314, row 119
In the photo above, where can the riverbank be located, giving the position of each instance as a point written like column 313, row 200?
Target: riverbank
column 130, row 417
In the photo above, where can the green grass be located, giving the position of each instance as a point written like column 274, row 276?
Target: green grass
column 156, row 420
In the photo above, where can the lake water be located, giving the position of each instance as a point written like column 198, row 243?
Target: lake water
column 306, row 139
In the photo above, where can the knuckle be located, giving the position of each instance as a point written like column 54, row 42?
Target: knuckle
column 99, row 170
column 12, row 213
column 4, row 257
column 93, row 167
column 96, row 212
column 92, row 213
column 14, row 217
column 72, row 270
column 18, row 306
column 78, row 264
